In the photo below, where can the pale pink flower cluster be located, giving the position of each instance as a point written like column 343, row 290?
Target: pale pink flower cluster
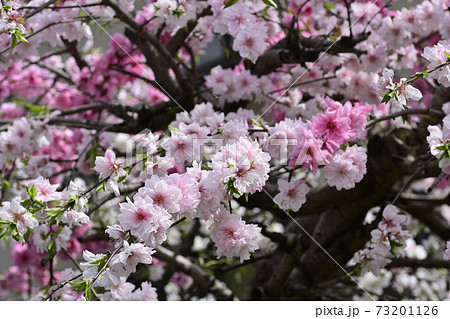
column 403, row 92
column 11, row 19
column 121, row 266
column 320, row 138
column 438, row 141
column 23, row 137
column 176, row 13
column 163, row 194
column 45, row 190
column 249, row 31
column 146, row 221
column 232, row 85
column 47, row 194
column 109, row 166
column 244, row 164
column 292, row 194
column 126, row 291
column 15, row 213
column 438, row 57
column 388, row 241
column 346, row 168
column 282, row 138
column 233, row 237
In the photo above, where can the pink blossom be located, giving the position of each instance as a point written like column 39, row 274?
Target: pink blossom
column 117, row 233
column 74, row 218
column 244, row 162
column 147, row 222
column 14, row 212
column 162, row 194
column 309, row 152
column 292, row 194
column 234, row 238
column 145, row 293
column 437, row 57
column 251, row 42
column 45, row 190
column 392, row 220
column 108, row 166
column 341, row 172
column 189, row 191
column 179, row 146
column 125, row 262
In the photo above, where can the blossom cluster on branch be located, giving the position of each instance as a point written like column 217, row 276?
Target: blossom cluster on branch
column 156, row 170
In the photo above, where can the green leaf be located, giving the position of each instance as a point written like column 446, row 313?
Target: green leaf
column 92, row 153
column 173, row 128
column 289, row 11
column 32, row 191
column 27, row 235
column 388, row 96
column 14, row 232
column 142, row 156
column 356, row 271
column 420, row 75
column 36, row 109
column 25, row 202
column 177, row 12
column 270, row 3
column 13, row 41
column 87, row 290
column 21, row 38
column 100, row 187
column 230, row 3
column 258, row 123
column 246, row 197
column 447, row 55
column 329, row 6
column 55, row 214
column 6, row 184
column 51, row 247
column 78, row 286
column 85, row 286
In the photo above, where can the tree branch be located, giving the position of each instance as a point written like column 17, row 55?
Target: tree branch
column 201, row 278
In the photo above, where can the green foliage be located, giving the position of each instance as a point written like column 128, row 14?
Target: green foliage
column 85, row 286
column 356, row 271
column 446, row 150
column 420, row 75
column 394, row 246
column 231, row 189
column 270, row 3
column 388, row 96
column 92, row 153
column 101, row 187
column 329, row 6
column 258, row 123
column 230, row 3
column 32, row 191
column 16, row 37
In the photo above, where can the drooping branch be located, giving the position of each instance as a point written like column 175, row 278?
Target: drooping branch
column 419, row 263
